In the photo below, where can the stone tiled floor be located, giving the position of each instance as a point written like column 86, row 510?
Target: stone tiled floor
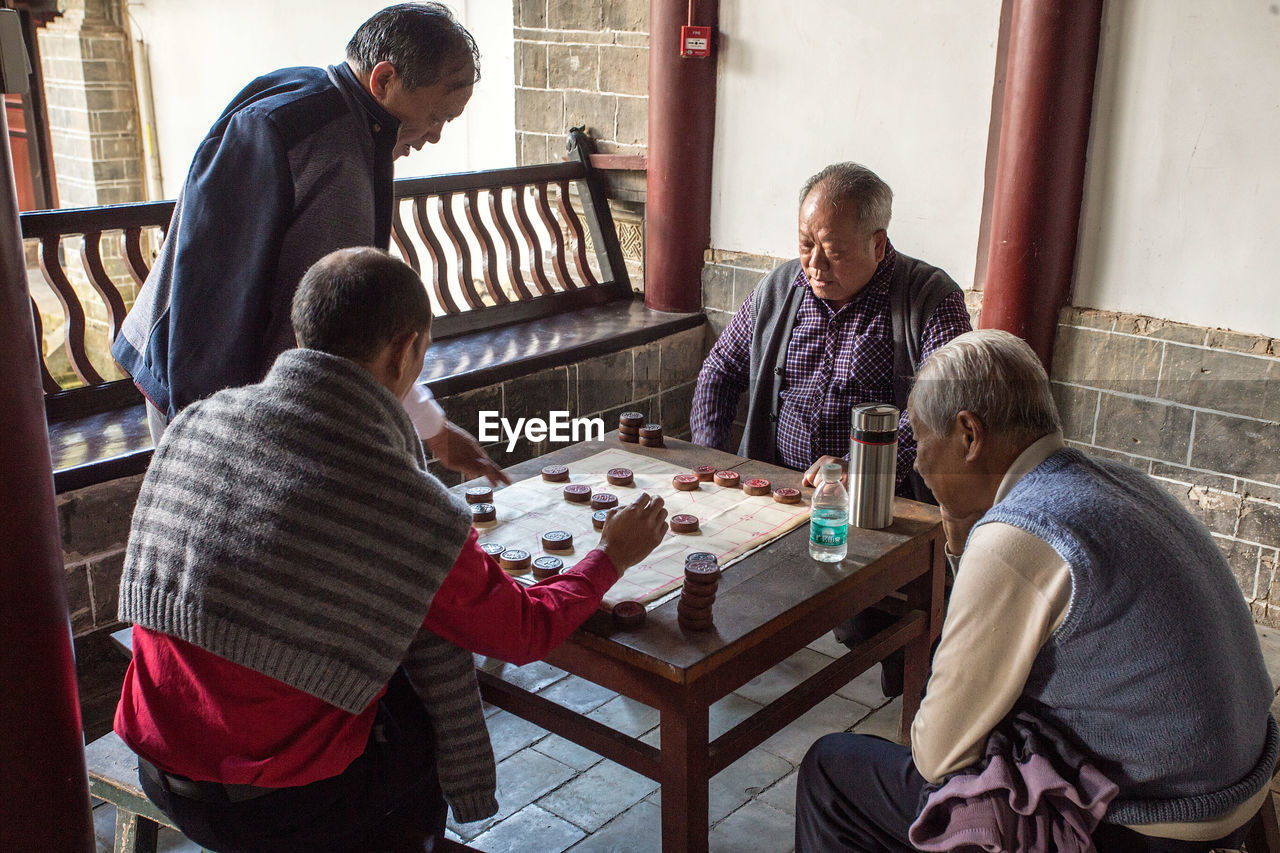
column 555, row 796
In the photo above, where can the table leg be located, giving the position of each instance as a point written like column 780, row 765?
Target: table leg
column 926, row 593
column 685, row 763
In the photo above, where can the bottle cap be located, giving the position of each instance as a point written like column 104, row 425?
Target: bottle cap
column 831, row 472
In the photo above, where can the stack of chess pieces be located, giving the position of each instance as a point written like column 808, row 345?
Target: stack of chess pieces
column 701, row 579
column 633, row 430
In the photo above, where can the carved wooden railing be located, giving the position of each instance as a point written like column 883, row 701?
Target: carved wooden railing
column 494, row 248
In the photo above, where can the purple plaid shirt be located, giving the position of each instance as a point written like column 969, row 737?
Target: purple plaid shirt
column 837, row 359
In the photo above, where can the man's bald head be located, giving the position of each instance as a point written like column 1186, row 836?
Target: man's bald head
column 353, row 302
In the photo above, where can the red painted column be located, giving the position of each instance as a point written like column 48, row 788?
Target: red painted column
column 1040, row 167
column 44, row 793
column 682, row 114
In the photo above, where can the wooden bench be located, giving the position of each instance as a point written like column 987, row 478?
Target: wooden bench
column 521, row 278
column 113, row 777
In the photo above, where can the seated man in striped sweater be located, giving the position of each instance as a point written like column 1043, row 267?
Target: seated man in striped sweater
column 306, row 598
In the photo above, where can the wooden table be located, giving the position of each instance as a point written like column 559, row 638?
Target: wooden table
column 769, row 606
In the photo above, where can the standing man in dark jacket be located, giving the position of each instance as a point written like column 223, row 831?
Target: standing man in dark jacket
column 298, row 165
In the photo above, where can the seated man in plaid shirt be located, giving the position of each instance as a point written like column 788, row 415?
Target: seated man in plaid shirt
column 815, row 338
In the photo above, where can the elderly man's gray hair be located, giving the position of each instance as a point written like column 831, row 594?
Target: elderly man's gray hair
column 854, row 185
column 994, row 375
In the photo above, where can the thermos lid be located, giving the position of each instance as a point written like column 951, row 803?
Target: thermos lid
column 875, row 417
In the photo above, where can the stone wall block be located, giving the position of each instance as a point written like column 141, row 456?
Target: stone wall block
column 1110, row 362
column 745, row 280
column 112, row 48
column 717, row 287
column 633, row 121
column 647, row 370
column 540, row 111
column 531, row 13
column 1260, row 522
column 1088, row 317
column 1243, row 559
column 573, row 66
column 575, row 15
column 108, row 98
column 113, row 122
column 1256, row 344
column 463, row 409
column 536, row 395
column 716, row 321
column 629, row 15
column 79, row 601
column 1225, row 381
column 682, row 356
column 1267, row 612
column 1236, row 446
column 1144, row 427
column 1153, row 327
column 624, row 70
column 676, row 405
column 104, row 586
column 604, row 383
column 1189, row 475
column 762, row 263
column 96, row 519
column 1217, row 510
column 531, row 65
column 118, row 194
column 1136, row 462
column 598, row 112
column 608, row 146
column 1077, row 408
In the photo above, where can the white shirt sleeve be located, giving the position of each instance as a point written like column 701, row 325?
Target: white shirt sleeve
column 1012, row 590
column 427, row 416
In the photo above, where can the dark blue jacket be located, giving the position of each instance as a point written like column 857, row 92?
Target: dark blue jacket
column 298, row 165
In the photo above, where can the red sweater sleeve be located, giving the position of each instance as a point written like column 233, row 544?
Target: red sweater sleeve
column 482, row 609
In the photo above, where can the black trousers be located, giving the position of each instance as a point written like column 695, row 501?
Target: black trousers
column 388, row 800
column 859, row 793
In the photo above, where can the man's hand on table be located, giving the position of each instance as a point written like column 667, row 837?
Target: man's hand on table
column 814, row 474
column 632, row 532
column 458, row 451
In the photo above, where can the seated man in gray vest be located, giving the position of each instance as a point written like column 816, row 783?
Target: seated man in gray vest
column 843, row 324
column 846, row 323
column 306, row 597
column 1087, row 599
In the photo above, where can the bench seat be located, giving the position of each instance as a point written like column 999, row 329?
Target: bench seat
column 114, row 444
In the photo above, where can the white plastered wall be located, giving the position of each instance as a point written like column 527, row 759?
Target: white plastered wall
column 1182, row 201
column 203, row 53
column 904, row 88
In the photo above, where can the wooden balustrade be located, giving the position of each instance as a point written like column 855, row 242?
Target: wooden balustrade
column 497, row 246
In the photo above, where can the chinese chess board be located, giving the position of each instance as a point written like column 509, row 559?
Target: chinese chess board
column 732, row 523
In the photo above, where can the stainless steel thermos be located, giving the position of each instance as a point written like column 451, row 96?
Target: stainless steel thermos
column 873, row 465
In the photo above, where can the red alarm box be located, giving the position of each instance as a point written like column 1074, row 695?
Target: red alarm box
column 695, row 42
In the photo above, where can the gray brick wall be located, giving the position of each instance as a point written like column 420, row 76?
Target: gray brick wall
column 581, row 62
column 656, row 379
column 586, row 63
column 93, row 114
column 1196, row 408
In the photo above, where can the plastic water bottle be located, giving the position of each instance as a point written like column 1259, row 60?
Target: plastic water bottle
column 829, row 517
